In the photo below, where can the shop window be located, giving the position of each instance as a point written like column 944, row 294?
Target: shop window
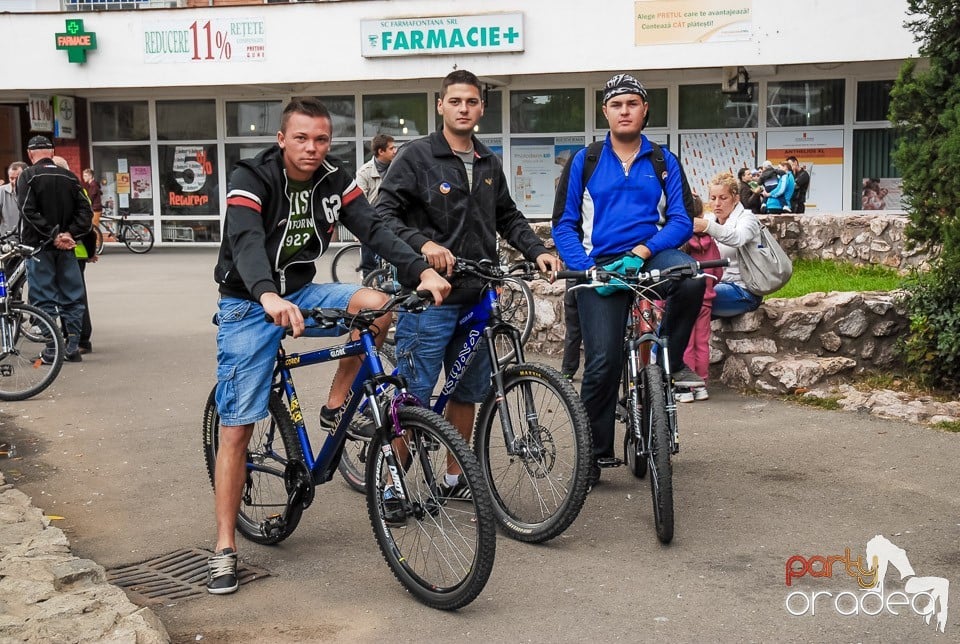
column 343, row 112
column 399, row 115
column 492, row 120
column 705, row 107
column 185, row 120
column 656, row 98
column 121, row 121
column 873, row 100
column 233, row 152
column 253, row 118
column 805, row 103
column 190, row 230
column 126, row 178
column 535, row 167
column 346, row 153
column 547, row 111
column 188, row 180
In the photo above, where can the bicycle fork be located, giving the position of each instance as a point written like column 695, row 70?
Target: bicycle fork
column 528, row 446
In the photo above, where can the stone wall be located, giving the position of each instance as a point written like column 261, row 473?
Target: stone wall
column 790, row 344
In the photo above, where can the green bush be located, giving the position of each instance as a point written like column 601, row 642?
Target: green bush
column 932, row 349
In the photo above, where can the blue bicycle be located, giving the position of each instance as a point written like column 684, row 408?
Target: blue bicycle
column 531, row 435
column 442, row 550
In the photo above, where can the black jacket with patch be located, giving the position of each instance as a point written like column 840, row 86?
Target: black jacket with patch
column 51, row 199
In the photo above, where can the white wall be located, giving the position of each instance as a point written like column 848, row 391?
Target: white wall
column 320, row 42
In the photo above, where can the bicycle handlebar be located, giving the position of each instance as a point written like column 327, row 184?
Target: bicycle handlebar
column 679, row 271
column 330, row 318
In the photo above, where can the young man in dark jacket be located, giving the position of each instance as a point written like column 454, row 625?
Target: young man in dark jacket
column 282, row 207
column 55, row 213
column 446, row 195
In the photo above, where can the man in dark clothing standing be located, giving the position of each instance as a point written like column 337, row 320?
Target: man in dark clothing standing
column 55, row 213
column 802, row 179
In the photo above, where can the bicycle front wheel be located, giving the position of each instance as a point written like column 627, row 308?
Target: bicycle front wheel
column 657, row 429
column 266, row 491
column 539, row 483
column 137, row 237
column 353, row 460
column 31, row 354
column 345, row 266
column 517, row 309
column 441, row 548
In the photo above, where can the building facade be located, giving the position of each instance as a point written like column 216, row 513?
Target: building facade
column 161, row 103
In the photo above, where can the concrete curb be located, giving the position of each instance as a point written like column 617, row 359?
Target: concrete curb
column 49, row 595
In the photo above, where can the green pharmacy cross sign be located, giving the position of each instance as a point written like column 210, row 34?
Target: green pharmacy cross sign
column 76, row 41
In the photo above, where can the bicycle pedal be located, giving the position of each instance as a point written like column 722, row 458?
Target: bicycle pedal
column 609, row 461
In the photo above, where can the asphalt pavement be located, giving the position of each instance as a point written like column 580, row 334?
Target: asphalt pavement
column 114, row 447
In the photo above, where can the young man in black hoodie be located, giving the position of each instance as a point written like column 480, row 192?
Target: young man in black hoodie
column 282, row 207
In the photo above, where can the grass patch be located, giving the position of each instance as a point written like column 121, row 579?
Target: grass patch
column 831, row 403
column 903, row 383
column 949, row 426
column 823, row 276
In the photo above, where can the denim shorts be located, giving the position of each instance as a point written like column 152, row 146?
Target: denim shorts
column 247, row 349
column 428, row 341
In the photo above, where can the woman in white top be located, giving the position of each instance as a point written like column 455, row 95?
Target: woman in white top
column 731, row 226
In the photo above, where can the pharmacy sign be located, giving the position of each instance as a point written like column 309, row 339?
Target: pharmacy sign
column 486, row 33
column 76, row 41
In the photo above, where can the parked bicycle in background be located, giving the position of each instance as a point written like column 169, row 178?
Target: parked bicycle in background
column 137, row 236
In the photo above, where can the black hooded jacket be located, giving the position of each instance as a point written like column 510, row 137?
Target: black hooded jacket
column 258, row 214
column 51, row 199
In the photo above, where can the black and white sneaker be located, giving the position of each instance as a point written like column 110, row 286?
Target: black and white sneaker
column 222, row 572
column 328, row 419
column 687, row 378
column 460, row 491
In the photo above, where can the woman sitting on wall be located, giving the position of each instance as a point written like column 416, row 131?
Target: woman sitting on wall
column 731, row 226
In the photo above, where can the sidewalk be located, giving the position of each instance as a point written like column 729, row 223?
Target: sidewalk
column 48, row 595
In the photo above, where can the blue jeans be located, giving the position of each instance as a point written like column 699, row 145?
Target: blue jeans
column 733, row 300
column 603, row 320
column 247, row 349
column 56, row 287
column 428, row 341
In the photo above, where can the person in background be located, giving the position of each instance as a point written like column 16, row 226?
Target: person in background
column 369, row 177
column 94, row 193
column 55, row 213
column 778, row 199
column 9, row 209
column 750, row 190
column 731, row 226
column 85, row 251
column 802, row 179
column 701, row 247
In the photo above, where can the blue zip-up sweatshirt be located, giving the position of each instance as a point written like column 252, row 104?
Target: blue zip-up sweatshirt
column 617, row 211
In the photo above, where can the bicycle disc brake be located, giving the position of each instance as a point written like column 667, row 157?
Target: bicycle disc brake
column 538, row 450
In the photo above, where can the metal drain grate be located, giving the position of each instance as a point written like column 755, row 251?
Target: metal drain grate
column 181, row 574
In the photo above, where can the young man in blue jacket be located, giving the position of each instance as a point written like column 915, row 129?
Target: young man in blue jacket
column 616, row 221
column 282, row 207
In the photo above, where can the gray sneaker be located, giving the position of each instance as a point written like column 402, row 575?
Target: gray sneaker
column 222, row 572
column 687, row 377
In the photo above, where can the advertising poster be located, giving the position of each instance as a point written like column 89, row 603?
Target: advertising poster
column 881, row 194
column 141, row 182
column 706, row 154
column 188, row 177
column 821, row 151
column 666, row 22
column 205, row 41
column 123, row 183
column 532, row 174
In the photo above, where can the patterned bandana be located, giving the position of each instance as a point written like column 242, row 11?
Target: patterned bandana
column 623, row 84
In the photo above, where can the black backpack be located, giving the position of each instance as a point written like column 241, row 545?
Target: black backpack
column 590, row 164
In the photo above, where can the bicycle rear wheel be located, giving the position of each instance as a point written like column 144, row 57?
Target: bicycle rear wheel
column 355, row 451
column 441, row 549
column 345, row 266
column 657, row 430
column 31, row 352
column 137, row 237
column 270, row 479
column 517, row 309
column 539, row 489
column 99, row 235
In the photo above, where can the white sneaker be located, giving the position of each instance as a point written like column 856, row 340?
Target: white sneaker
column 700, row 393
column 683, row 396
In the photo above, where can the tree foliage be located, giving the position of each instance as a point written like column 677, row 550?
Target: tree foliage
column 925, row 110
